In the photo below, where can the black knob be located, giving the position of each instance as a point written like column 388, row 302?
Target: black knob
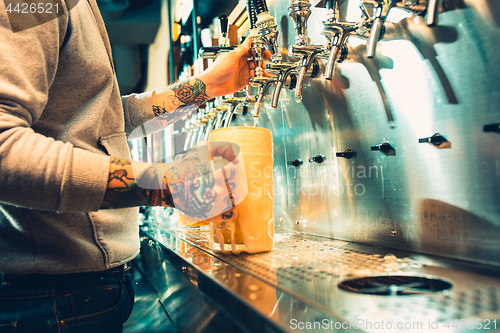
column 492, row 128
column 436, row 139
column 385, row 148
column 346, row 154
column 343, row 54
column 318, row 159
column 296, row 163
column 224, row 25
column 293, row 81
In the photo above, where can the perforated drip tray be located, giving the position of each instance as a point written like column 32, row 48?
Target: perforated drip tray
column 394, row 285
column 296, row 258
column 361, row 282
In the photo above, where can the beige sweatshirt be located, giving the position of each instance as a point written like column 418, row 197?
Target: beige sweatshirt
column 61, row 118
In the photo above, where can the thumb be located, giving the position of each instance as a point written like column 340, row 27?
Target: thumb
column 244, row 48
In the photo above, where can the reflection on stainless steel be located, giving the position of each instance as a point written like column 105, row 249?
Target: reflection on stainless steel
column 434, row 80
column 373, row 67
column 148, row 314
column 426, row 40
column 299, row 280
column 202, row 293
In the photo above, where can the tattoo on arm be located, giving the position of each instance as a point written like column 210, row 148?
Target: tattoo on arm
column 191, row 93
column 124, row 190
column 189, row 186
column 172, row 103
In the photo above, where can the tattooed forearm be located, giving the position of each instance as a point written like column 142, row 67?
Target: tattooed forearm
column 191, row 92
column 178, row 100
column 187, row 184
column 125, row 190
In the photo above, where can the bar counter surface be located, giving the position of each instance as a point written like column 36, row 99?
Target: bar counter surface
column 311, row 284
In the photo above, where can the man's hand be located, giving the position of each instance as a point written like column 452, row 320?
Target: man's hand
column 206, row 184
column 231, row 71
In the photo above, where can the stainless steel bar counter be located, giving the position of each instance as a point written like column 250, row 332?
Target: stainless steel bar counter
column 314, row 284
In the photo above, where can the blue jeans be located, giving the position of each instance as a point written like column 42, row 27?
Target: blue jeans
column 66, row 303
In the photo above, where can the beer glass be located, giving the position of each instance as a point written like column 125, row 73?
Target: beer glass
column 253, row 230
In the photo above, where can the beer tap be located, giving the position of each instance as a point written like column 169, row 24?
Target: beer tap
column 429, row 7
column 221, row 110
column 337, row 34
column 264, row 35
column 203, row 120
column 267, row 29
column 197, row 124
column 234, row 103
column 381, row 9
column 285, row 76
column 299, row 11
column 432, row 11
column 188, row 129
column 224, row 44
column 211, row 116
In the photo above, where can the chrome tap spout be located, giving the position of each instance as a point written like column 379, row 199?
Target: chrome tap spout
column 307, row 53
column 381, row 10
column 337, row 34
column 263, row 83
column 282, row 72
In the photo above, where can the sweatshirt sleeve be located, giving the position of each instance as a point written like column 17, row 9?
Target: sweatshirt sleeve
column 139, row 116
column 36, row 171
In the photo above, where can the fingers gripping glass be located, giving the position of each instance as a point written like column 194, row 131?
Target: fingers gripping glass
column 208, row 181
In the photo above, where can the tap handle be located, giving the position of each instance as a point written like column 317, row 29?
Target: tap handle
column 492, row 128
column 224, row 25
column 318, row 159
column 260, row 6
column 431, row 16
column 212, row 52
column 436, row 139
column 296, row 162
column 346, row 154
column 252, row 16
column 385, row 148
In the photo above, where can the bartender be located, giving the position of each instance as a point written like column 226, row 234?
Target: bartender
column 68, row 190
